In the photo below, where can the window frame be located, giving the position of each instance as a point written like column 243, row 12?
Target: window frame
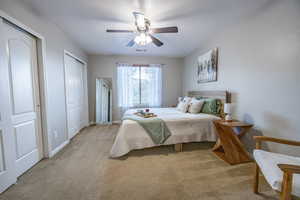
column 140, row 66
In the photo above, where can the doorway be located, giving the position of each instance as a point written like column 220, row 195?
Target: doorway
column 103, row 100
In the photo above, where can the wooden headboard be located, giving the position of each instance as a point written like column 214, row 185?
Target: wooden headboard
column 224, row 96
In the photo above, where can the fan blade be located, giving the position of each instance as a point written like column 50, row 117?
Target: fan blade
column 156, row 41
column 131, row 43
column 172, row 29
column 119, row 31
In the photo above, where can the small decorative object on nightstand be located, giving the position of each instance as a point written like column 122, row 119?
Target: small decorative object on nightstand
column 229, row 147
column 227, row 111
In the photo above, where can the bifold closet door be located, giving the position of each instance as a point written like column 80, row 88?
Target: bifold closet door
column 21, row 127
column 75, row 95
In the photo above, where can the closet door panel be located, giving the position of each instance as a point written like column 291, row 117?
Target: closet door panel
column 75, row 99
column 22, row 64
column 21, row 76
column 20, row 128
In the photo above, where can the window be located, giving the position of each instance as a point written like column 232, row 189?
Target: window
column 139, row 86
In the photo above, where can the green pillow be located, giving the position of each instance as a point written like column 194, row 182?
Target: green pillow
column 212, row 106
column 199, row 98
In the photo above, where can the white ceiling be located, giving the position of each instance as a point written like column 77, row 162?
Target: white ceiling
column 86, row 21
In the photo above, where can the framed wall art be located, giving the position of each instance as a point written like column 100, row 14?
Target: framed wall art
column 207, row 66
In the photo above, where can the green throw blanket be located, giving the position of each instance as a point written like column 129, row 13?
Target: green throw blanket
column 156, row 128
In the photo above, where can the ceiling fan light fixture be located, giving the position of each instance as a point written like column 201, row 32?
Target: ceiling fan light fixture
column 144, row 31
column 142, row 39
column 140, row 20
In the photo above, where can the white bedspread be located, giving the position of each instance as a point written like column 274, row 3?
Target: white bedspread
column 185, row 127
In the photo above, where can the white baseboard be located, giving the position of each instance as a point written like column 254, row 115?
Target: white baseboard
column 117, row 122
column 57, row 149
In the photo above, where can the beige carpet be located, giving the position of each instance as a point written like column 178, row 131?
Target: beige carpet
column 84, row 171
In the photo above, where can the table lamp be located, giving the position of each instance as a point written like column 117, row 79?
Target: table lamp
column 227, row 111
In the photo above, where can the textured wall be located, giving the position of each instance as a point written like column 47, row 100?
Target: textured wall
column 105, row 66
column 259, row 63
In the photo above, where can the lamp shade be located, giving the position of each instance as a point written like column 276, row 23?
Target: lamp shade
column 227, row 108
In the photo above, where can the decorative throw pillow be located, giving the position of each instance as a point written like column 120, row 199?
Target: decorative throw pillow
column 182, row 106
column 195, row 106
column 199, row 98
column 212, row 106
column 187, row 99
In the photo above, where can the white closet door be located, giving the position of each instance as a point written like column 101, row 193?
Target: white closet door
column 7, row 150
column 24, row 97
column 75, row 95
column 20, row 129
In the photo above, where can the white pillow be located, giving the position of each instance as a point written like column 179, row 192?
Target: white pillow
column 183, row 106
column 195, row 106
column 187, row 99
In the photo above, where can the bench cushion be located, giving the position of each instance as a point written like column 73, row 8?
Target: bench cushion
column 268, row 161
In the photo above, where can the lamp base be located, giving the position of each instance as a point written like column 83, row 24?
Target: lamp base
column 228, row 118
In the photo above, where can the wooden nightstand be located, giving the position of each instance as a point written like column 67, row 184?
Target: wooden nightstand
column 229, row 147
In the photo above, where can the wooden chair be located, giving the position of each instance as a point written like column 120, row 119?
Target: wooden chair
column 281, row 171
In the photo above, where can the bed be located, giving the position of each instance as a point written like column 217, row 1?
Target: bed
column 185, row 127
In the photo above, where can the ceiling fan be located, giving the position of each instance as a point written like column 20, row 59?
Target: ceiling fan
column 144, row 31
